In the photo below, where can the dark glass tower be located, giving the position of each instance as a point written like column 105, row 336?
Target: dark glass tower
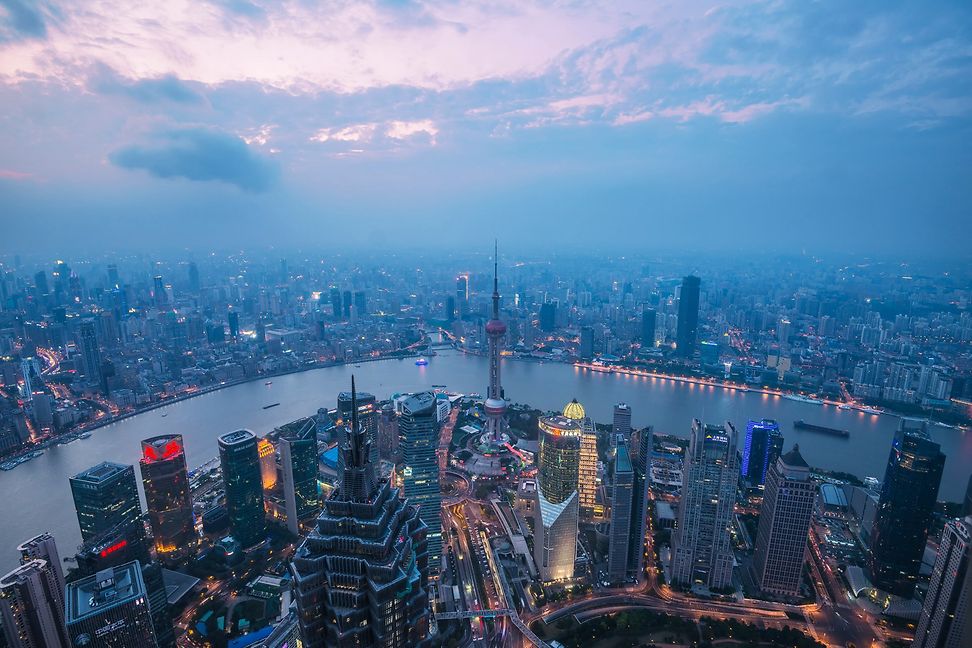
column 762, row 447
column 165, row 479
column 114, row 598
column 104, row 497
column 905, row 509
column 367, row 418
column 648, row 319
column 361, row 576
column 240, row 462
column 298, row 461
column 418, row 427
column 687, row 332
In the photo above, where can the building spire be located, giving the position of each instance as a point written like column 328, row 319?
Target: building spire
column 495, row 279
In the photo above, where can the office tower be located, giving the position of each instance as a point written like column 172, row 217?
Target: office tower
column 639, row 503
column 360, row 577
column 90, row 352
column 462, row 296
column 688, row 317
column 548, row 317
column 419, row 429
column 586, row 350
column 495, row 406
column 450, row 308
column 193, row 277
column 587, row 464
column 619, row 535
column 784, row 525
column 110, row 608
column 558, row 463
column 367, row 418
column 701, row 553
column 43, row 547
column 298, row 465
column 40, row 282
column 361, row 303
column 944, row 620
column 165, row 480
column 622, row 424
column 113, row 279
column 762, row 446
column 104, row 497
column 240, row 462
column 233, row 319
column 648, row 320
column 905, row 509
column 346, row 304
column 124, row 544
column 268, row 463
column 32, row 607
column 286, row 634
column 158, row 291
column 336, row 303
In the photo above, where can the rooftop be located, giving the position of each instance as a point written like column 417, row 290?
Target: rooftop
column 794, row 459
column 239, row 436
column 103, row 472
column 105, row 590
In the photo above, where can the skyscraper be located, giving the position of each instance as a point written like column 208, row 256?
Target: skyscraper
column 462, row 296
column 555, row 536
column 639, row 503
column 784, row 525
column 586, row 350
column 193, row 277
column 622, row 424
column 367, row 418
column 687, row 332
column 104, row 497
column 495, row 405
column 346, row 303
column 701, row 553
column 90, row 352
column 904, row 512
column 360, row 577
column 619, row 535
column 240, row 462
column 945, row 614
column 165, row 480
column 587, row 463
column 548, row 317
column 32, row 607
column 336, row 303
column 158, row 291
column 298, row 466
column 648, row 321
column 43, row 547
column 762, row 446
column 268, row 463
column 110, row 608
column 419, row 429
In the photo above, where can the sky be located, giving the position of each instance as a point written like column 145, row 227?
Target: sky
column 737, row 127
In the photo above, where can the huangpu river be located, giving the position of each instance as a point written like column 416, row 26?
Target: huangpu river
column 36, row 496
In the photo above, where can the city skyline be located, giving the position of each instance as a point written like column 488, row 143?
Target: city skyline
column 759, row 123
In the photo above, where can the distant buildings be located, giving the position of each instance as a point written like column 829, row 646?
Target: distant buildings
column 361, row 575
column 622, row 424
column 945, row 614
column 555, row 535
column 104, row 497
column 701, row 552
column 649, row 318
column 784, row 526
column 905, row 509
column 240, row 463
column 90, row 352
column 762, row 446
column 110, row 608
column 298, row 466
column 419, row 429
column 688, row 317
column 165, row 480
column 620, row 531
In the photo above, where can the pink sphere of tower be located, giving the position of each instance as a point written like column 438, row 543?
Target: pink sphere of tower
column 495, row 327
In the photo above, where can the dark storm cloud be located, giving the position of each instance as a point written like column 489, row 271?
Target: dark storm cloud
column 201, row 155
column 21, row 19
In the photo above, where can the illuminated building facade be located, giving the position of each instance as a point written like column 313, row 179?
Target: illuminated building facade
column 360, row 577
column 701, row 552
column 268, row 464
column 165, row 481
column 555, row 538
column 419, row 429
column 110, row 608
column 495, row 405
column 587, row 464
column 240, row 463
column 104, row 497
column 904, row 513
column 762, row 446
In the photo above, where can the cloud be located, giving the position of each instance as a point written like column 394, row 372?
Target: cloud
column 201, row 155
column 10, row 174
column 403, row 130
column 383, row 136
column 21, row 19
column 353, row 133
column 151, row 90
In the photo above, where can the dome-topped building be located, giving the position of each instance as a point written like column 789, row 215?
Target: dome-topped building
column 574, row 410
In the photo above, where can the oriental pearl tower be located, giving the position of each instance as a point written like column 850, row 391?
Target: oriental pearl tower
column 495, row 406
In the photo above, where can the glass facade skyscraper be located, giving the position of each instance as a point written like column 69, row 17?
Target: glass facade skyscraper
column 240, row 462
column 419, row 429
column 105, row 496
column 555, row 537
column 905, row 509
column 687, row 332
column 762, row 446
column 298, row 466
column 165, row 480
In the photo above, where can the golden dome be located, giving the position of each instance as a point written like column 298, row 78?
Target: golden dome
column 574, row 410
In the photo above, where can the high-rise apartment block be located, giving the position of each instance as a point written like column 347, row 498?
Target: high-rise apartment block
column 945, row 614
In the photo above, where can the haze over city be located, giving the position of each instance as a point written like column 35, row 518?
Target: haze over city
column 788, row 126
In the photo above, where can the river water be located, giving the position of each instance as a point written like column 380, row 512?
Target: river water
column 36, row 496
